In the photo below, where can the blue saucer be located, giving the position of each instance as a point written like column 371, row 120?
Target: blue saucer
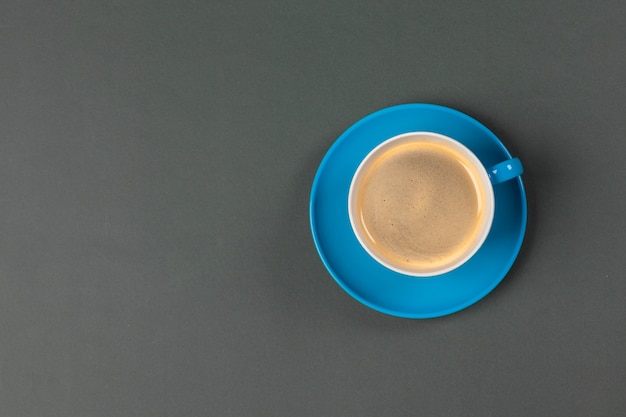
column 388, row 291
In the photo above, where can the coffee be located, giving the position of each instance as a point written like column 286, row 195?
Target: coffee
column 420, row 204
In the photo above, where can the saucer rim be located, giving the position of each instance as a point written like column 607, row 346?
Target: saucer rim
column 515, row 245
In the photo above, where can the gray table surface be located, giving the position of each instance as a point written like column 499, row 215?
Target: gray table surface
column 156, row 159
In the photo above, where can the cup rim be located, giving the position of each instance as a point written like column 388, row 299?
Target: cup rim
column 489, row 194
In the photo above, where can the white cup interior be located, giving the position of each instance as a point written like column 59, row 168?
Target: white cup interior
column 482, row 178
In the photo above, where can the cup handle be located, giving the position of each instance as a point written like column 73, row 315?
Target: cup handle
column 506, row 170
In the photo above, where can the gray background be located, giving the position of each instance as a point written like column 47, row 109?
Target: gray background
column 156, row 160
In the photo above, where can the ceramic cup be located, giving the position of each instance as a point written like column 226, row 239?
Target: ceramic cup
column 422, row 204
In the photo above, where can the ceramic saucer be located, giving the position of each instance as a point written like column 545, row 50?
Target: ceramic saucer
column 388, row 291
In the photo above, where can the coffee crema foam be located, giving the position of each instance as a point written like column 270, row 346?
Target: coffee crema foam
column 420, row 205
